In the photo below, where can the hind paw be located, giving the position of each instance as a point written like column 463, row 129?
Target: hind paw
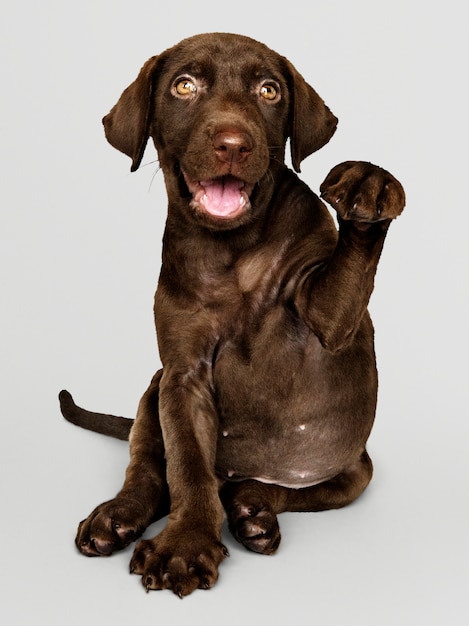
column 255, row 526
column 110, row 527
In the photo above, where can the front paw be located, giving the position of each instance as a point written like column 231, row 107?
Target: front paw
column 363, row 192
column 110, row 527
column 179, row 559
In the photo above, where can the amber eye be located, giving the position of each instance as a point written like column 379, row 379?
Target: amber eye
column 185, row 87
column 269, row 91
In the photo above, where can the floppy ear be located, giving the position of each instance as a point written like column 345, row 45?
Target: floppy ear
column 127, row 125
column 311, row 122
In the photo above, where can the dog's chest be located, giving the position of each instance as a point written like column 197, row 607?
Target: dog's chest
column 259, row 272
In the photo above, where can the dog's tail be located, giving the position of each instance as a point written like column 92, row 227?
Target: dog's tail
column 110, row 425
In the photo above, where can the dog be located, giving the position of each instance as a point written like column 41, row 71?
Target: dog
column 267, row 392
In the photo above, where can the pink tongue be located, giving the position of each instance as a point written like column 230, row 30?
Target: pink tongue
column 222, row 195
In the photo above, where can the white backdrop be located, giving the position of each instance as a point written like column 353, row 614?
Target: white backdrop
column 80, row 247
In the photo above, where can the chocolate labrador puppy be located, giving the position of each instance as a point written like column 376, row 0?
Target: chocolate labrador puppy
column 267, row 391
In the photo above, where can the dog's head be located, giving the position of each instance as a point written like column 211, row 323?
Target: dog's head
column 220, row 109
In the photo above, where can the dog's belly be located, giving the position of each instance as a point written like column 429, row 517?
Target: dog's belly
column 298, row 417
column 294, row 459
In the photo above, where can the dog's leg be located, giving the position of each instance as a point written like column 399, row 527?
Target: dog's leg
column 143, row 497
column 252, row 507
column 336, row 493
column 333, row 299
column 186, row 554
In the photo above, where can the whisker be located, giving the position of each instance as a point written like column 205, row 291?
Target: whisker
column 147, row 164
column 153, row 177
column 158, row 168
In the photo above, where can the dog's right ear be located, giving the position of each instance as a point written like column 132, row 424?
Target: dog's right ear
column 312, row 124
column 127, row 125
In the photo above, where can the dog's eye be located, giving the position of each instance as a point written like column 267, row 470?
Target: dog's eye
column 185, row 87
column 269, row 91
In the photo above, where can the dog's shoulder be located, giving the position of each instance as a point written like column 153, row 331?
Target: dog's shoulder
column 298, row 213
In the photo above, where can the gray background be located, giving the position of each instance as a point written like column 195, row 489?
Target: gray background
column 80, row 247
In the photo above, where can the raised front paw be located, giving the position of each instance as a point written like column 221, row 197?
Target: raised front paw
column 363, row 192
column 179, row 559
column 110, row 527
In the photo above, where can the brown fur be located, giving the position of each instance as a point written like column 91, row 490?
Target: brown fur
column 267, row 393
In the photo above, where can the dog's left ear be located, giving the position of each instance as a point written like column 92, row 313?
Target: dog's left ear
column 127, row 125
column 311, row 123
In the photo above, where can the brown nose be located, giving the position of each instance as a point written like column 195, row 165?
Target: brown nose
column 232, row 147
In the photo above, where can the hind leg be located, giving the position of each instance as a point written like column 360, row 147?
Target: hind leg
column 252, row 507
column 143, row 498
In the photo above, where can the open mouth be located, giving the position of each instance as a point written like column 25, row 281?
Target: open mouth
column 225, row 197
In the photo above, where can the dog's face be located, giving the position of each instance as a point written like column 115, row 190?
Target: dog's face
column 224, row 125
column 220, row 109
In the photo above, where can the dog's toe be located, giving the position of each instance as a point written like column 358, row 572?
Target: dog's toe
column 110, row 527
column 255, row 527
column 178, row 562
